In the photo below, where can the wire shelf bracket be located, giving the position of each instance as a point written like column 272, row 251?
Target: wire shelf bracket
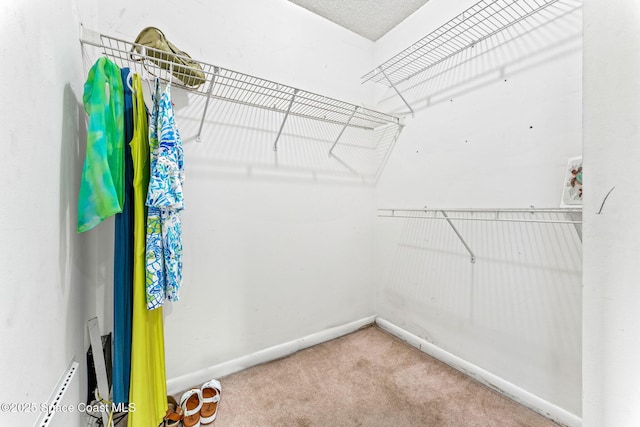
column 342, row 131
column 477, row 23
column 455, row 230
column 286, row 115
column 216, row 70
column 232, row 86
column 413, row 114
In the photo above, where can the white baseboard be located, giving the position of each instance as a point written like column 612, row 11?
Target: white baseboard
column 502, row 386
column 179, row 384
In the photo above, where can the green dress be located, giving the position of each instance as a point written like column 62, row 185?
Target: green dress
column 148, row 387
column 102, row 183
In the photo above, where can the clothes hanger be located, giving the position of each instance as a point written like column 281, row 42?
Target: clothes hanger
column 129, row 80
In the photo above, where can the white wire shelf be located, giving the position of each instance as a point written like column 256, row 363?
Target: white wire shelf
column 573, row 215
column 480, row 21
column 492, row 215
column 233, row 86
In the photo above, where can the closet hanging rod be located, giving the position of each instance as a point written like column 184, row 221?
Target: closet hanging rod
column 232, row 86
column 420, row 214
column 481, row 21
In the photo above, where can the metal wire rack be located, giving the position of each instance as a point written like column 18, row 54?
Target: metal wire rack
column 228, row 85
column 480, row 21
column 493, row 215
column 573, row 215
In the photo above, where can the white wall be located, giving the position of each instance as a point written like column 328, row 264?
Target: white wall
column 612, row 239
column 49, row 273
column 494, row 127
column 274, row 248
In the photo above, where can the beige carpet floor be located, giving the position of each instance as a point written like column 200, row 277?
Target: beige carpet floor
column 367, row 378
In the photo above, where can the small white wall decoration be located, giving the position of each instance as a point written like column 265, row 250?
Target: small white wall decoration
column 572, row 188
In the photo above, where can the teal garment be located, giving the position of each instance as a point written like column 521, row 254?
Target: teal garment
column 123, row 264
column 102, row 183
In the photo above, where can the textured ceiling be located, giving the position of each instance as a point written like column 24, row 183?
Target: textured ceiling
column 369, row 18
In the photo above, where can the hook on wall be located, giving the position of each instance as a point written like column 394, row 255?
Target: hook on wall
column 604, row 200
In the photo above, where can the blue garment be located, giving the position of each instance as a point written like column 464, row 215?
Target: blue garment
column 165, row 202
column 123, row 264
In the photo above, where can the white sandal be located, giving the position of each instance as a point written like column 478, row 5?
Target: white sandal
column 191, row 403
column 210, row 393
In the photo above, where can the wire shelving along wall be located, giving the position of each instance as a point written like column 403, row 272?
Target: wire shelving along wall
column 478, row 214
column 479, row 22
column 570, row 216
column 233, row 86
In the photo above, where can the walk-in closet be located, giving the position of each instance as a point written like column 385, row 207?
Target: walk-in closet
column 276, row 213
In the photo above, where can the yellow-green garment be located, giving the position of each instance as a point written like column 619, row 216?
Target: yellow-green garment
column 148, row 387
column 102, row 183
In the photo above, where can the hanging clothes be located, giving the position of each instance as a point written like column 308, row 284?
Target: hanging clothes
column 165, row 202
column 148, row 388
column 123, row 262
column 102, row 184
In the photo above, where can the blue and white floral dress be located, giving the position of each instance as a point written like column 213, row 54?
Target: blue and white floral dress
column 165, row 202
